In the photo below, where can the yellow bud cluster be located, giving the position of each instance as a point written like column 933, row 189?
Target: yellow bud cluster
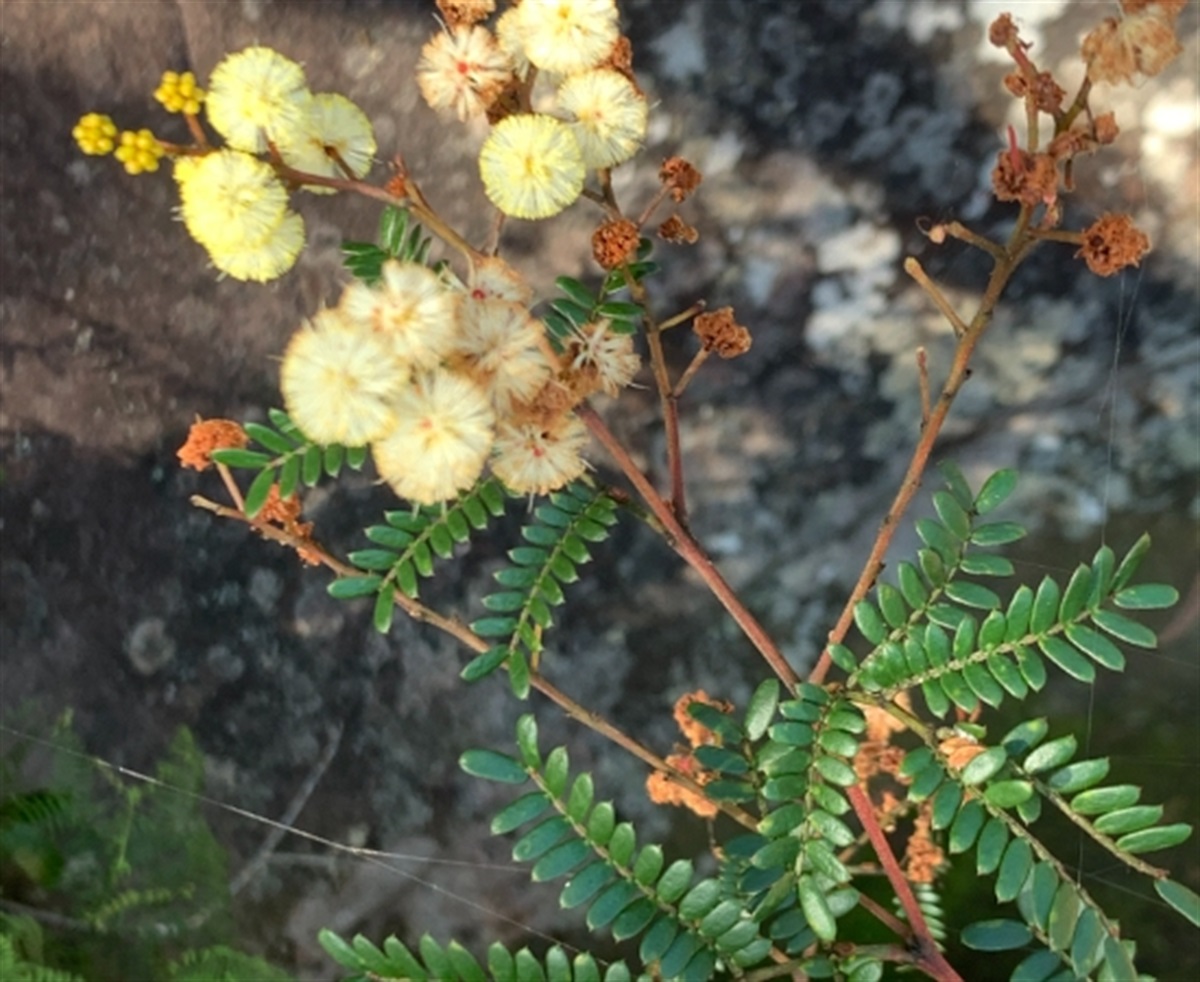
column 179, row 93
column 140, row 152
column 96, row 134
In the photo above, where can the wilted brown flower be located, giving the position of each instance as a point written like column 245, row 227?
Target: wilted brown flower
column 1030, row 178
column 923, row 858
column 676, row 230
column 207, row 435
column 719, row 332
column 615, row 243
column 465, row 12
column 680, row 177
column 1142, row 42
column 1003, row 31
column 662, row 790
column 1111, row 243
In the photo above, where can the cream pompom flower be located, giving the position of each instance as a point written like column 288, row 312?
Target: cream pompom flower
column 463, row 70
column 531, row 166
column 334, row 123
column 494, row 279
column 411, row 308
column 508, row 36
column 255, row 95
column 440, row 439
column 534, row 459
column 568, row 36
column 266, row 259
column 229, row 198
column 339, row 382
column 598, row 353
column 498, row 347
column 609, row 115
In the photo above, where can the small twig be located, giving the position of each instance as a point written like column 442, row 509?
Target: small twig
column 289, row 816
column 928, row 958
column 698, row 359
column 923, row 383
column 683, row 315
column 652, row 206
column 235, row 493
column 900, row 928
column 959, row 231
column 681, row 540
column 913, row 268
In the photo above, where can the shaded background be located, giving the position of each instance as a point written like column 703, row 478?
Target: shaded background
column 824, row 130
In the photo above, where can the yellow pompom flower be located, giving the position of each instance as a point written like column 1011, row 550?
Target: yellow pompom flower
column 463, row 70
column 179, row 93
column 567, row 36
column 609, row 115
column 333, row 123
column 255, row 95
column 508, row 36
column 229, row 198
column 339, row 382
column 96, row 134
column 268, row 258
column 409, row 307
column 534, row 459
column 139, row 152
column 498, row 347
column 440, row 440
column 531, row 166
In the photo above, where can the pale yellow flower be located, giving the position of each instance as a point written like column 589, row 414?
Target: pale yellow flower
column 494, row 279
column 254, row 95
column 498, row 347
column 268, row 258
column 531, row 166
column 608, row 113
column 597, row 351
column 339, row 382
column 567, row 36
column 440, row 439
column 463, row 70
column 535, row 459
column 411, row 307
column 508, row 36
column 336, row 123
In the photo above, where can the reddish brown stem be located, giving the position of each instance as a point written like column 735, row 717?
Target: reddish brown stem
column 681, row 540
column 928, row 958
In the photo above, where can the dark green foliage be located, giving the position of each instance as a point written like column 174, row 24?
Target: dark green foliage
column 408, row 545
column 556, row 546
column 397, row 240
column 288, row 458
column 579, row 305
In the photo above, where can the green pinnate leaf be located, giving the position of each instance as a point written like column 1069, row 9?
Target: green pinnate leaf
column 493, row 766
column 524, row 809
column 1096, row 646
column 761, row 709
column 1009, row 794
column 1075, row 596
column 579, row 802
column 868, row 621
column 954, row 517
column 1067, row 658
column 985, row 564
column 1045, row 606
column 1130, row 563
column 1185, row 901
column 1037, row 895
column 966, row 826
column 997, row 534
column 956, row 481
column 675, row 881
column 1097, row 801
column 1079, row 776
column 1147, row 596
column 1125, row 820
column 1124, row 629
column 648, row 865
column 1014, row 868
column 995, row 490
column 1050, row 755
column 233, row 457
column 984, row 766
column 541, row 839
column 560, row 860
column 351, row 587
column 990, row 848
column 698, row 901
column 996, row 935
column 585, row 884
column 816, row 908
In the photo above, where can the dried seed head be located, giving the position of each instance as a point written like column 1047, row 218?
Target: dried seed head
column 1111, row 243
column 615, row 243
column 680, row 177
column 718, row 331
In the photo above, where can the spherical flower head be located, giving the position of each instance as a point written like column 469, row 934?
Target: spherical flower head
column 207, row 435
column 268, row 258
column 139, row 152
column 498, row 346
column 531, row 458
column 568, row 36
column 1143, row 42
column 440, row 439
column 410, row 308
column 463, row 70
column 254, row 95
column 609, row 115
column 601, row 355
column 494, row 279
column 339, row 382
column 96, row 134
column 1111, row 243
column 334, row 123
column 531, row 166
column 509, row 37
column 179, row 93
column 229, row 199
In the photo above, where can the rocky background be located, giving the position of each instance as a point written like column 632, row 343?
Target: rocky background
column 825, row 131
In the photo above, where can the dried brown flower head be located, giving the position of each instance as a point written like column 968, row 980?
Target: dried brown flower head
column 1030, row 178
column 1003, row 32
column 923, row 858
column 285, row 512
column 676, row 230
column 1111, row 243
column 207, row 435
column 460, row 13
column 680, row 177
column 662, row 790
column 718, row 331
column 697, row 734
column 615, row 243
column 1143, row 42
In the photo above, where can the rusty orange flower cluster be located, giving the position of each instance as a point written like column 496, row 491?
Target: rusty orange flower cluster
column 207, row 435
column 1111, row 243
column 676, row 230
column 719, row 331
column 679, row 177
column 285, row 513
column 615, row 243
column 662, row 788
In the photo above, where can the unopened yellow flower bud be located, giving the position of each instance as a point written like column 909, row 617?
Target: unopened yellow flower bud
column 179, row 93
column 139, row 152
column 96, row 134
